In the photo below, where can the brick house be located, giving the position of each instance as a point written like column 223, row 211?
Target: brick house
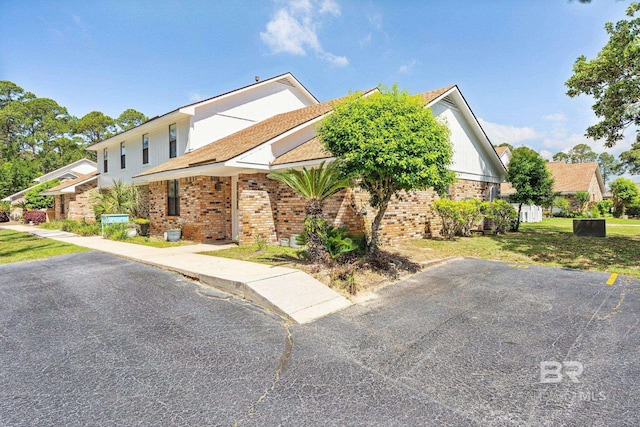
column 212, row 182
column 64, row 174
column 569, row 178
column 72, row 198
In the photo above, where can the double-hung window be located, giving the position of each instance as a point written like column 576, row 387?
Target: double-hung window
column 123, row 156
column 145, row 148
column 173, row 141
column 173, row 198
column 105, row 160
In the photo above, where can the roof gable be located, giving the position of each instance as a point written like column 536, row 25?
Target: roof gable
column 573, row 177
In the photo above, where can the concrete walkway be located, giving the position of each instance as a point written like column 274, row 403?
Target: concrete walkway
column 285, row 291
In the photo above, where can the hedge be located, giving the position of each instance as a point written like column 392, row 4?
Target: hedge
column 36, row 217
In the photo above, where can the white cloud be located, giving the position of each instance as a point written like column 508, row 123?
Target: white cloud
column 546, row 154
column 195, row 97
column 556, row 117
column 294, row 29
column 376, row 20
column 499, row 134
column 406, row 68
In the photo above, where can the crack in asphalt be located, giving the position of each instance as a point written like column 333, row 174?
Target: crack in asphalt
column 282, row 364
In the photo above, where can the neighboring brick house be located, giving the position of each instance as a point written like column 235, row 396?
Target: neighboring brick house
column 64, row 174
column 220, row 191
column 72, row 198
column 569, row 178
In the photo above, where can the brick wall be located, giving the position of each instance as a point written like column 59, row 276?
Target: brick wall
column 77, row 206
column 273, row 210
column 205, row 212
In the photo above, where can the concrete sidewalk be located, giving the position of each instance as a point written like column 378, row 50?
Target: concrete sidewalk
column 285, row 291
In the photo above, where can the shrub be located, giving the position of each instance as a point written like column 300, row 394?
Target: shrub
column 471, row 212
column 582, row 198
column 36, row 217
column 4, row 216
column 5, row 206
column 116, row 231
column 142, row 225
column 120, row 199
column 35, row 200
column 80, row 228
column 563, row 204
column 604, row 207
column 449, row 213
column 634, row 209
column 503, row 214
column 336, row 242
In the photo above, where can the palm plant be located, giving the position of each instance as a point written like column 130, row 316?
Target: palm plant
column 314, row 185
column 120, row 199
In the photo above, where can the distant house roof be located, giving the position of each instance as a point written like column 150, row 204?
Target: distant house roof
column 70, row 186
column 572, row 177
column 567, row 178
column 501, row 150
column 72, row 170
column 244, row 140
column 432, row 95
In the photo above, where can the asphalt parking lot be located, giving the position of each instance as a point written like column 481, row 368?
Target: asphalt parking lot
column 90, row 339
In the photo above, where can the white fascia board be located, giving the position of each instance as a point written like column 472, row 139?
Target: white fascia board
column 467, row 113
column 213, row 169
column 143, row 128
column 306, row 163
column 240, row 163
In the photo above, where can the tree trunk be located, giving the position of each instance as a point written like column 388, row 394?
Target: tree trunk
column 384, row 203
column 314, row 226
column 518, row 220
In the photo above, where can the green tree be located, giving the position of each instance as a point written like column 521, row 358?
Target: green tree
column 95, row 126
column 612, row 79
column 630, row 159
column 561, row 157
column 582, row 153
column 17, row 174
column 129, row 119
column 609, row 166
column 314, row 185
column 390, row 142
column 625, row 192
column 529, row 175
column 37, row 201
column 504, row 144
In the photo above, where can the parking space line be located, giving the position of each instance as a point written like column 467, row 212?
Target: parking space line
column 612, row 279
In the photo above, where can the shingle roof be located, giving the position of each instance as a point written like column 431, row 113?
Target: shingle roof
column 567, row 178
column 244, row 140
column 310, row 150
column 501, row 150
column 429, row 96
column 80, row 179
column 572, row 177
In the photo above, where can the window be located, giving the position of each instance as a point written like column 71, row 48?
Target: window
column 173, row 198
column 145, row 148
column 123, row 159
column 105, row 161
column 62, row 204
column 173, row 141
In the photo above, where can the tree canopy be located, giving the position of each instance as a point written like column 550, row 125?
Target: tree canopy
column 625, row 193
column 38, row 135
column 529, row 176
column 389, row 142
column 613, row 79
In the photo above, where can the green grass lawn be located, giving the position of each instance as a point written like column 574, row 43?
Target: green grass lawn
column 157, row 243
column 270, row 254
column 550, row 242
column 16, row 246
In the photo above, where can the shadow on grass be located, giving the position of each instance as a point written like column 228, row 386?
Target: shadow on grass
column 566, row 250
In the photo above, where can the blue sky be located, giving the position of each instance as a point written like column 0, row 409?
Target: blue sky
column 510, row 58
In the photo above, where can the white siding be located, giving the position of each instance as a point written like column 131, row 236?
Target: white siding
column 158, row 153
column 219, row 119
column 470, row 158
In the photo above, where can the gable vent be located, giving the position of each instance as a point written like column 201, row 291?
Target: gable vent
column 285, row 82
column 449, row 102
